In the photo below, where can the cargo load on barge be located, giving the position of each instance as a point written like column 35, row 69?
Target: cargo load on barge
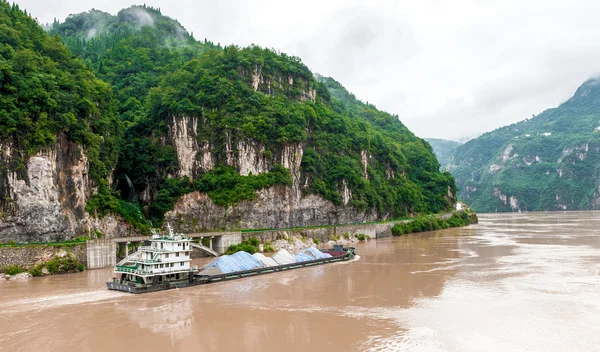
column 166, row 264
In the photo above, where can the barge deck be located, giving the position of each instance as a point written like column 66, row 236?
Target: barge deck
column 194, row 279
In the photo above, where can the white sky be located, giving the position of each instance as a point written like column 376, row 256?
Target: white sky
column 449, row 69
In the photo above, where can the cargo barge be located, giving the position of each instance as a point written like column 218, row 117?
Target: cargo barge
column 166, row 264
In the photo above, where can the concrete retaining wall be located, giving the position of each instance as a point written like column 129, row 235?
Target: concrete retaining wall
column 28, row 256
column 324, row 234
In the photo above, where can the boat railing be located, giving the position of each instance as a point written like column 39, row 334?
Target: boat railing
column 152, row 249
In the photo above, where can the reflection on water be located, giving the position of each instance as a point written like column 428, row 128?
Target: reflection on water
column 512, row 282
column 172, row 318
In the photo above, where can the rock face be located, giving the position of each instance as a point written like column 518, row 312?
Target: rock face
column 274, row 207
column 46, row 201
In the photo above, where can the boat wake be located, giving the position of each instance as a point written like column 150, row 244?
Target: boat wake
column 57, row 300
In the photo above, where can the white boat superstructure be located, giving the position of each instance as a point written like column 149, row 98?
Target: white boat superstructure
column 166, row 259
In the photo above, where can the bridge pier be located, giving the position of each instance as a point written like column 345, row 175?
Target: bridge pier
column 101, row 253
column 222, row 242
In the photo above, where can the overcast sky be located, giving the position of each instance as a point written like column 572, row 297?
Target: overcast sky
column 449, row 69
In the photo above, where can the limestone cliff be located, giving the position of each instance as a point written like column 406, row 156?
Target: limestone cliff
column 45, row 199
column 275, row 207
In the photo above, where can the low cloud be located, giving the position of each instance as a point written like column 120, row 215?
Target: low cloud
column 449, row 69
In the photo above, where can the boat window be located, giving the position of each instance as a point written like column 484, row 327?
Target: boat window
column 181, row 263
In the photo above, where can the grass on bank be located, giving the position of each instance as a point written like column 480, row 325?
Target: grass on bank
column 432, row 223
column 69, row 243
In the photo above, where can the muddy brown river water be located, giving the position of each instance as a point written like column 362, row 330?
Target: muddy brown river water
column 514, row 282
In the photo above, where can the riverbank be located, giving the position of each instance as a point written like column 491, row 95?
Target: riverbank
column 34, row 258
column 41, row 260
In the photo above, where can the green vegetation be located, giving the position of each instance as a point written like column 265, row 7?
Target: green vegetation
column 64, row 265
column 156, row 76
column 67, row 244
column 548, row 162
column 12, row 270
column 361, row 237
column 249, row 246
column 268, row 248
column 37, row 270
column 432, row 223
column 46, row 93
column 316, row 241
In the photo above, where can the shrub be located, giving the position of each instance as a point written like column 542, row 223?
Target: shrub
column 37, row 270
column 316, row 241
column 64, row 265
column 346, row 235
column 361, row 237
column 12, row 269
column 52, row 266
column 268, row 248
column 335, row 238
column 242, row 247
column 250, row 246
column 431, row 223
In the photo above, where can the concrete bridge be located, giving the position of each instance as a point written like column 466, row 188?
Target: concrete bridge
column 102, row 253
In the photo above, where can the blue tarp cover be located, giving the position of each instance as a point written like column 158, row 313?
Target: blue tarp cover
column 236, row 262
column 241, row 261
column 315, row 253
column 300, row 257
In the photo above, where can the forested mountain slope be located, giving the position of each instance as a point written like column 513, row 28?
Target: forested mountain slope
column 443, row 149
column 219, row 138
column 59, row 132
column 548, row 162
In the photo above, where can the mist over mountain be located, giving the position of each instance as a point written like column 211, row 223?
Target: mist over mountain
column 443, row 149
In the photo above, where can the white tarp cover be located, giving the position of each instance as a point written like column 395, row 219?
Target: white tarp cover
column 265, row 260
column 284, row 257
column 226, row 264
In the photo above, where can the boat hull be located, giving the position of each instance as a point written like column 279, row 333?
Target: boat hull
column 198, row 279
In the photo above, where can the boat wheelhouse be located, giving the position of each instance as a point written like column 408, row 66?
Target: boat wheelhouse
column 165, row 259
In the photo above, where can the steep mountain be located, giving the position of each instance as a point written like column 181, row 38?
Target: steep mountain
column 222, row 138
column 443, row 149
column 548, row 162
column 59, row 133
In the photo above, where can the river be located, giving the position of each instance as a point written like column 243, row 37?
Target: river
column 513, row 282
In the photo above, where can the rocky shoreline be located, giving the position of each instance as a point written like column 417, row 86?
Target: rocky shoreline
column 298, row 243
column 16, row 277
